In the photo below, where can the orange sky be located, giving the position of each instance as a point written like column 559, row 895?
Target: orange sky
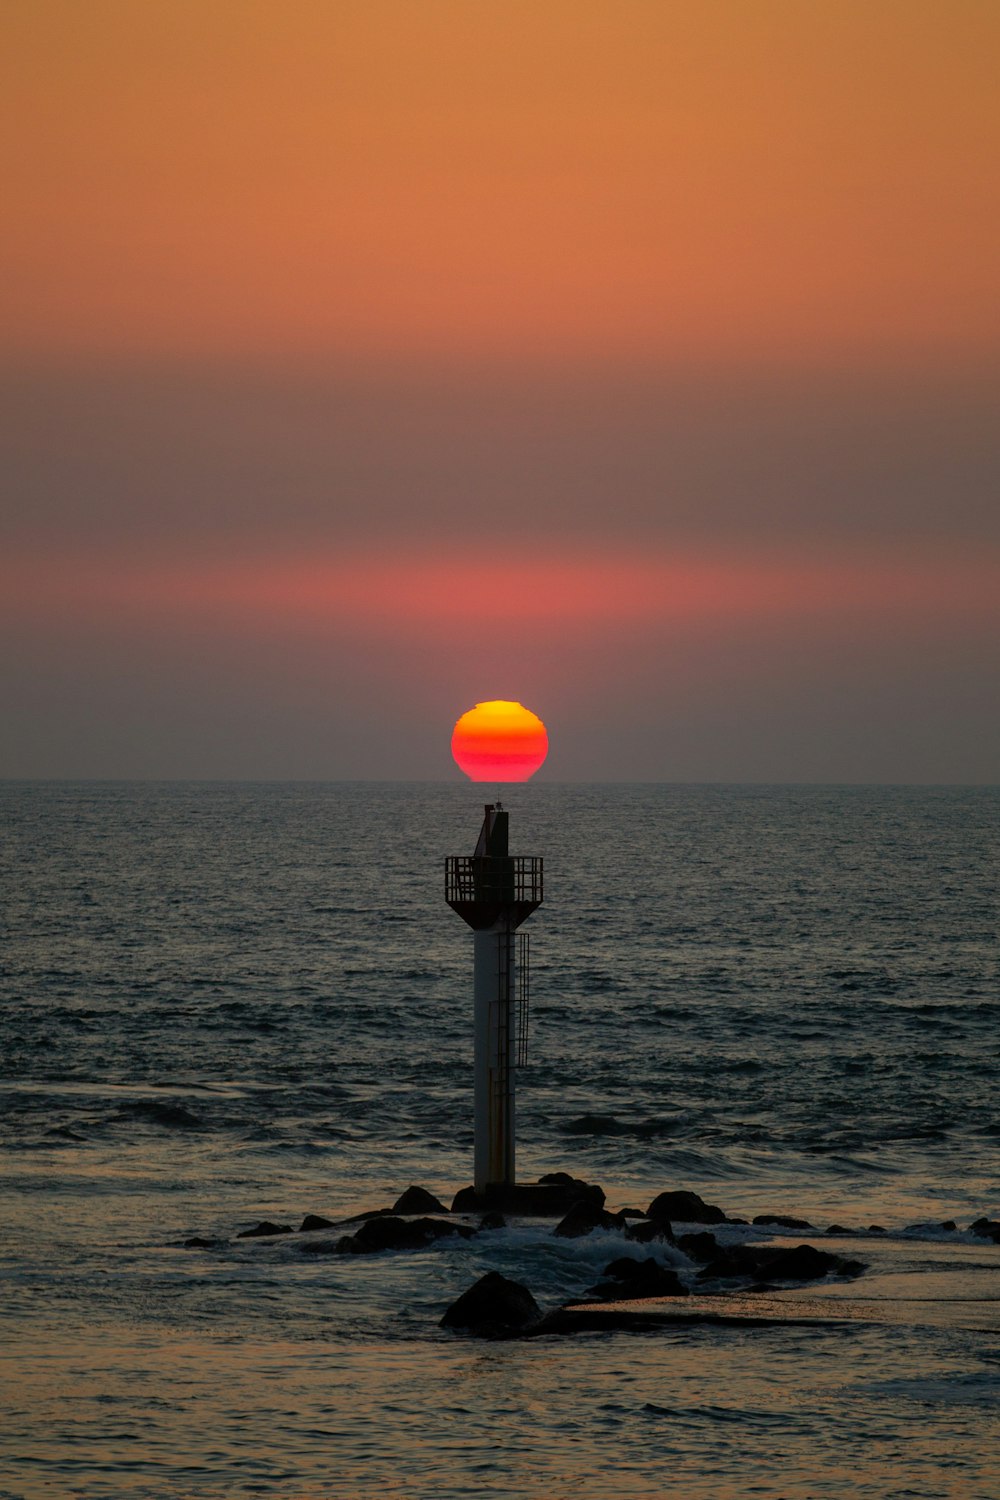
column 652, row 180
column 636, row 359
column 484, row 595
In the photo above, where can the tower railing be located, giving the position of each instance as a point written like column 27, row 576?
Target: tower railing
column 493, row 878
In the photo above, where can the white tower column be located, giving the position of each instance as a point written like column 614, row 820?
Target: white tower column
column 494, row 892
column 494, row 1054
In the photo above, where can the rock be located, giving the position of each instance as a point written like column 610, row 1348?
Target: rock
column 806, row 1263
column 594, row 1125
column 417, row 1200
column 949, row 1224
column 368, row 1213
column 765, row 1263
column 877, row 1229
column 840, row 1229
column 632, row 1213
column 735, row 1263
column 987, row 1229
column 550, row 1196
column 197, row 1242
column 626, row 1279
column 685, row 1207
column 703, row 1246
column 494, row 1307
column 390, row 1233
column 492, row 1221
column 782, row 1221
column 314, row 1221
column 318, row 1247
column 586, row 1190
column 265, row 1227
column 584, row 1218
column 649, row 1230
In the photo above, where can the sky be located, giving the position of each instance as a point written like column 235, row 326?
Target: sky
column 366, row 359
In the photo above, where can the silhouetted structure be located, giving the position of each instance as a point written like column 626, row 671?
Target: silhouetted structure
column 495, row 892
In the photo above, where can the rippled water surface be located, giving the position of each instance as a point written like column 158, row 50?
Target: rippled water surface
column 225, row 1003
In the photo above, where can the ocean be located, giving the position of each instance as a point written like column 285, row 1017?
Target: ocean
column 224, row 1003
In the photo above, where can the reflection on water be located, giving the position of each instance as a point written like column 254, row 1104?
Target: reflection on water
column 774, row 1412
column 222, row 1004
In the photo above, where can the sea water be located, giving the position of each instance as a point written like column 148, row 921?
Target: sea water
column 224, row 1003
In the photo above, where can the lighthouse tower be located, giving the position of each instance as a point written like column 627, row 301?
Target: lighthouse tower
column 495, row 892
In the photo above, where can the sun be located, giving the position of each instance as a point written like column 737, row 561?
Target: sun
column 499, row 741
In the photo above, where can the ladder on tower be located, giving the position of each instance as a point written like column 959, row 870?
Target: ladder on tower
column 523, row 996
column 502, row 1007
column 509, row 995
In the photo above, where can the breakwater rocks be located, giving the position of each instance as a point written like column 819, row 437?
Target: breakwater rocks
column 680, row 1253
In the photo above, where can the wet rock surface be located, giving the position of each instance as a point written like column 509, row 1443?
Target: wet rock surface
column 650, row 1230
column 626, row 1278
column 781, row 1221
column 494, row 1307
column 685, row 1208
column 417, row 1200
column 314, row 1221
column 987, row 1229
column 387, row 1232
column 263, row 1230
column 584, row 1218
column 556, row 1193
column 766, row 1263
column 703, row 1247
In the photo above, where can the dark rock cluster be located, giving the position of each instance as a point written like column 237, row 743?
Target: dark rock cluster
column 496, row 1307
column 766, row 1263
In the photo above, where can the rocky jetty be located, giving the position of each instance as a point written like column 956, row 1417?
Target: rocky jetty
column 733, row 1280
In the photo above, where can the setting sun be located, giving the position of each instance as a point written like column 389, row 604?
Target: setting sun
column 499, row 741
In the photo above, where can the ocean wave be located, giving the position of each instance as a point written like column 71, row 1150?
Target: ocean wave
column 159, row 1112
